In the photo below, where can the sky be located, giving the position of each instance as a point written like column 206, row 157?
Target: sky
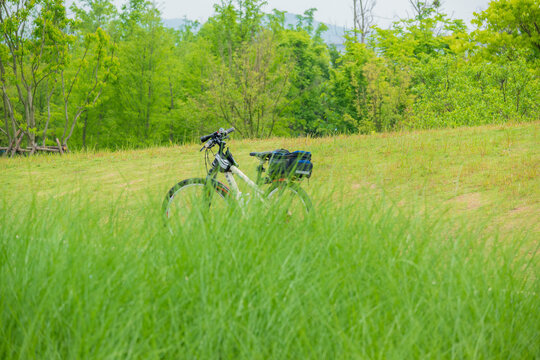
column 334, row 12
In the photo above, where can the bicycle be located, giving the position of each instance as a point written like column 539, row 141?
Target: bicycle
column 282, row 187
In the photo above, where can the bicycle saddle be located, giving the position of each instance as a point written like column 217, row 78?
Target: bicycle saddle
column 261, row 155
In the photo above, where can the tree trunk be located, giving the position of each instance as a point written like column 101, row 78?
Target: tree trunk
column 31, row 121
column 59, row 147
column 66, row 116
column 171, row 135
column 48, row 115
column 140, row 115
column 148, row 104
column 100, row 122
column 84, row 129
column 355, row 20
column 17, row 144
column 75, row 119
column 6, row 115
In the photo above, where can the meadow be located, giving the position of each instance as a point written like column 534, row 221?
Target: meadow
column 422, row 244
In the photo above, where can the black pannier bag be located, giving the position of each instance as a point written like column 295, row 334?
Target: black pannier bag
column 285, row 164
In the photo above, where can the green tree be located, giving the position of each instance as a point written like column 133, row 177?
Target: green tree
column 196, row 64
column 507, row 26
column 429, row 34
column 348, row 86
column 31, row 31
column 251, row 93
column 90, row 16
column 94, row 14
column 142, row 85
column 307, row 111
column 234, row 23
column 86, row 67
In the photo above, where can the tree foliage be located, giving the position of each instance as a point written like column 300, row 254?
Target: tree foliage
column 109, row 77
column 507, row 26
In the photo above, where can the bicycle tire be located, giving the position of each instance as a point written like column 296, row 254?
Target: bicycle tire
column 284, row 189
column 202, row 189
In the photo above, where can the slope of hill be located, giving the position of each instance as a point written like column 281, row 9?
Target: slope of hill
column 487, row 172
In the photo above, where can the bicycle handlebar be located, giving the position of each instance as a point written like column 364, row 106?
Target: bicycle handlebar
column 206, row 137
column 216, row 134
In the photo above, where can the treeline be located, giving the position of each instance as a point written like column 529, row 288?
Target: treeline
column 108, row 77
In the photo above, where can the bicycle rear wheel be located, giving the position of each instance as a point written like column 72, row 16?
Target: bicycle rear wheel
column 192, row 196
column 289, row 199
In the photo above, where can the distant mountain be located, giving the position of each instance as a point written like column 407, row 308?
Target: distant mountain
column 174, row 23
column 333, row 36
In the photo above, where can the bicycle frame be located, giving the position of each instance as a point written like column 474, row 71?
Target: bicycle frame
column 234, row 186
column 226, row 163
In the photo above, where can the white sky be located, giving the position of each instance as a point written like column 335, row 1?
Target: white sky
column 336, row 12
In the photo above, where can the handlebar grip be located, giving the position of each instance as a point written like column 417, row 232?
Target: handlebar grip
column 207, row 137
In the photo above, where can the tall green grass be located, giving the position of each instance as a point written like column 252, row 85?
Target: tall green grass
column 349, row 281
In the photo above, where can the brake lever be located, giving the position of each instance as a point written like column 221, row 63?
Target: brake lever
column 207, row 145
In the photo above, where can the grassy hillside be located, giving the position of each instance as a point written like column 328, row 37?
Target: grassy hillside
column 485, row 173
column 423, row 244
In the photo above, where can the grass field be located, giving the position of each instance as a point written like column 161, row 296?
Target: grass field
column 422, row 245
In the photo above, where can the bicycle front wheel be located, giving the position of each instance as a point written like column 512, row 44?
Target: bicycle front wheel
column 289, row 199
column 191, row 196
